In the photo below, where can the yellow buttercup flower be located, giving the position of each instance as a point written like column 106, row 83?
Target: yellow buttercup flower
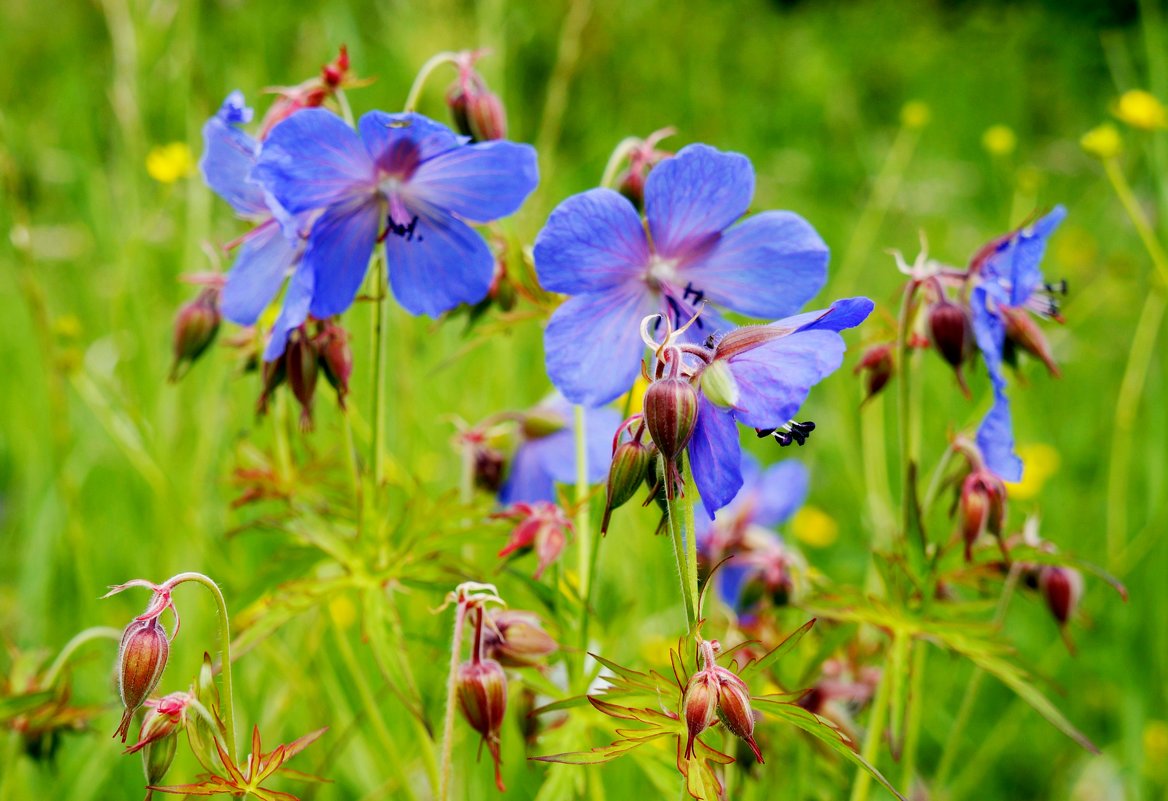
column 999, row 140
column 170, row 163
column 1141, row 109
column 915, row 114
column 815, row 527
column 1042, row 462
column 1102, row 141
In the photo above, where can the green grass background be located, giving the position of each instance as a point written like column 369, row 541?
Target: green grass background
column 107, row 472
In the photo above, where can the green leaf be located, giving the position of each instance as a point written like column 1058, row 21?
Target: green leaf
column 602, row 753
column 779, row 651
column 17, row 705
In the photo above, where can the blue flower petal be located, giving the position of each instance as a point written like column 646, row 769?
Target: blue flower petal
column 438, row 264
column 989, row 331
column 228, row 157
column 338, row 253
column 480, row 182
column 527, row 480
column 732, row 577
column 593, row 344
column 781, row 490
column 1027, row 253
column 399, row 143
column 264, row 259
column 591, row 242
column 694, row 196
column 312, row 160
column 769, row 265
column 843, row 314
column 294, row 312
column 715, row 457
column 775, row 378
column 995, row 440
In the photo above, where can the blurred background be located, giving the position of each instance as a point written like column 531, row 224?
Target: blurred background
column 879, row 122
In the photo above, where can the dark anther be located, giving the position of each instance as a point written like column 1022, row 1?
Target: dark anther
column 791, row 432
column 678, row 311
column 1059, row 287
column 698, row 294
column 404, row 231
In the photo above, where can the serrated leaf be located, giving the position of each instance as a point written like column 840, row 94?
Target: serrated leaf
column 780, row 650
column 600, row 754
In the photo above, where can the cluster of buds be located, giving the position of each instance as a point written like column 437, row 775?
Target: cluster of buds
column 195, row 327
column 158, row 738
column 542, row 526
column 715, row 693
column 643, row 155
column 476, row 110
column 983, row 508
column 312, row 93
column 633, row 463
column 306, row 356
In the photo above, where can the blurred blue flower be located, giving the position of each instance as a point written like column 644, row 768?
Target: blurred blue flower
column 764, row 374
column 745, row 531
column 272, row 249
column 546, row 454
column 620, row 270
column 406, row 179
column 1009, row 282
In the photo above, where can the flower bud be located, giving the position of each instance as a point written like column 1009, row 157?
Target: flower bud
column 482, row 696
column 336, row 359
column 699, row 706
column 157, row 758
column 164, row 717
column 303, row 363
column 141, row 660
column 516, row 639
column 333, row 74
column 631, row 184
column 195, row 328
column 951, row 332
column 982, row 506
column 1022, row 332
column 485, row 116
column 718, row 384
column 631, row 461
column 734, row 708
column 671, row 411
column 876, row 364
column 1062, row 587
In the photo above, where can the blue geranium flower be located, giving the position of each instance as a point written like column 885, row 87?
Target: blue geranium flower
column 272, row 249
column 620, row 270
column 410, row 173
column 1009, row 283
column 745, row 530
column 759, row 376
column 546, row 454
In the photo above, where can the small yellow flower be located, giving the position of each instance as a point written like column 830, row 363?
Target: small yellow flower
column 1042, row 462
column 1102, row 141
column 342, row 611
column 170, row 163
column 915, row 114
column 1141, row 109
column 815, row 527
column 999, row 140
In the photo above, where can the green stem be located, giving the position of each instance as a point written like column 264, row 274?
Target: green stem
column 446, row 769
column 912, row 735
column 905, row 409
column 70, row 648
column 435, row 61
column 872, row 738
column 225, row 648
column 583, row 507
column 619, row 154
column 1140, row 220
column 280, row 440
column 678, row 516
column 691, row 541
column 381, row 299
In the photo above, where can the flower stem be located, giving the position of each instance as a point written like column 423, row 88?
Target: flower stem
column 912, row 734
column 873, row 737
column 583, row 507
column 375, row 451
column 619, row 154
column 1143, row 227
column 70, row 648
column 225, row 657
column 677, row 513
column 905, row 413
column 451, row 700
column 435, row 61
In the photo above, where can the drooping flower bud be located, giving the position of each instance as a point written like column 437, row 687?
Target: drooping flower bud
column 516, row 639
column 671, row 412
column 734, row 708
column 631, row 461
column 718, row 384
column 336, row 358
column 274, row 374
column 542, row 421
column 141, row 660
column 543, row 526
column 485, row 116
column 951, row 333
column 982, row 506
column 482, row 696
column 303, row 370
column 699, row 705
column 165, row 716
column 1061, row 587
column 1022, row 332
column 876, row 364
column 195, row 328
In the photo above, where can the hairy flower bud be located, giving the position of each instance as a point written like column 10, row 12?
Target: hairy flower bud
column 516, row 639
column 671, row 411
column 699, row 705
column 982, row 507
column 1061, row 587
column 485, row 116
column 195, row 328
column 336, row 359
column 1022, row 332
column 482, row 696
column 718, row 384
column 734, row 708
column 303, row 370
column 951, row 332
column 141, row 660
column 157, row 758
column 876, row 364
column 630, row 463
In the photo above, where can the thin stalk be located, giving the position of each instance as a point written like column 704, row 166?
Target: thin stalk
column 619, row 154
column 280, row 439
column 1132, row 206
column 225, row 659
column 435, row 61
column 583, row 507
column 690, row 493
column 79, row 639
column 446, row 770
column 375, row 450
column 905, row 410
column 912, row 734
column 676, row 535
column 872, row 738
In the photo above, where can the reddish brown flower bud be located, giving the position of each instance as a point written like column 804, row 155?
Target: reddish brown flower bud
column 336, row 358
column 516, row 639
column 982, row 506
column 1061, row 587
column 951, row 333
column 671, row 411
column 195, row 328
column 734, row 708
column 141, row 660
column 274, row 374
column 631, row 461
column 542, row 526
column 333, row 74
column 699, row 706
column 1022, row 332
column 631, row 184
column 482, row 696
column 165, row 716
column 303, row 369
column 485, row 116
column 876, row 364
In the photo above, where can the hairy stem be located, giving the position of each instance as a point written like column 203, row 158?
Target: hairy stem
column 681, row 517
column 872, row 738
column 446, row 770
